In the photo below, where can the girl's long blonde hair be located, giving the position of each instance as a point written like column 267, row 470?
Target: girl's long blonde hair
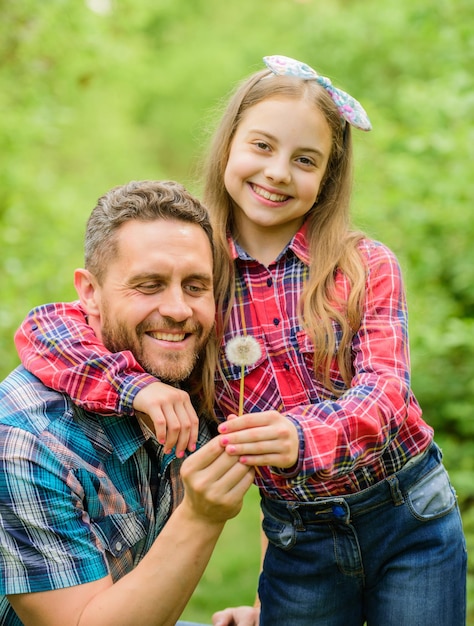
column 333, row 246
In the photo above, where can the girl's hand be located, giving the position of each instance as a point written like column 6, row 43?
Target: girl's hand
column 267, row 438
column 238, row 616
column 172, row 415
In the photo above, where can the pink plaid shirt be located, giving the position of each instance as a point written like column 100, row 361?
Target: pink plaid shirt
column 346, row 444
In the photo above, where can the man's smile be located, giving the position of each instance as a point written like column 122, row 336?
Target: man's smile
column 164, row 336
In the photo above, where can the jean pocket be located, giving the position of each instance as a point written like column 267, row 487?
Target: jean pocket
column 432, row 496
column 280, row 533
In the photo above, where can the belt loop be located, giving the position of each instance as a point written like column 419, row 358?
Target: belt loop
column 297, row 521
column 397, row 495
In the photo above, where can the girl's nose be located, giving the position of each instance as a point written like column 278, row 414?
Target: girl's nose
column 278, row 170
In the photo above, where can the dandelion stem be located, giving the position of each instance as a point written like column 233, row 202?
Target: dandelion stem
column 241, row 396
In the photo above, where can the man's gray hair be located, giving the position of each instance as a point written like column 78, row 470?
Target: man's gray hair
column 146, row 201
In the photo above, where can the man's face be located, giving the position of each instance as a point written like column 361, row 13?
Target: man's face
column 157, row 297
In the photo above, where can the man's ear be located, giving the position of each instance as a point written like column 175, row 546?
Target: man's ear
column 88, row 291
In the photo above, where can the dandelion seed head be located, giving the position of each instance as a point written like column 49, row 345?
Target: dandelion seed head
column 242, row 351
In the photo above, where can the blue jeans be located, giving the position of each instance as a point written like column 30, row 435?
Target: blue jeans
column 391, row 555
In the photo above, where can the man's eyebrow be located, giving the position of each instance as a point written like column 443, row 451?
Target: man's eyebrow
column 204, row 277
column 144, row 276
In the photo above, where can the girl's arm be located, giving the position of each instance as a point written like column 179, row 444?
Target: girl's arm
column 58, row 346
column 354, row 431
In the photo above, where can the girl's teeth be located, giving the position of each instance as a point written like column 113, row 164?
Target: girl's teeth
column 274, row 197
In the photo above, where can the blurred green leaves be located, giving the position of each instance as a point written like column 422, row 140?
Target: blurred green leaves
column 93, row 98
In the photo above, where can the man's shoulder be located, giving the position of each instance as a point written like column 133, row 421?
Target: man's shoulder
column 26, row 403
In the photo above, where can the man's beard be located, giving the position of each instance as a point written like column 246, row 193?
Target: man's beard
column 174, row 367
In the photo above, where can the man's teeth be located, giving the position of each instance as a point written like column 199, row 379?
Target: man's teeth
column 168, row 336
column 274, row 197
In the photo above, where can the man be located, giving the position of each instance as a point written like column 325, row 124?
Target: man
column 94, row 525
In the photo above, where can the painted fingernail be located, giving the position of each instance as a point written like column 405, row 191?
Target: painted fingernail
column 224, row 441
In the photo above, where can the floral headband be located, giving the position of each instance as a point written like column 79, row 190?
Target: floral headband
column 349, row 108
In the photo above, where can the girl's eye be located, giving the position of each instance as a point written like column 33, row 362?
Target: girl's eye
column 262, row 145
column 306, row 161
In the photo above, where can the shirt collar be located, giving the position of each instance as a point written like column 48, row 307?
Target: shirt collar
column 298, row 245
column 124, row 434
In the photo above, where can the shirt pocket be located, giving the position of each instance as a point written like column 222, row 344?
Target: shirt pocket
column 119, row 532
column 305, row 347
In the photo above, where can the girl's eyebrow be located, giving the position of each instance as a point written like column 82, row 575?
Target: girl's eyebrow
column 268, row 135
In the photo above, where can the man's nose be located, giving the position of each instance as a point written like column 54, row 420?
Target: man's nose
column 173, row 305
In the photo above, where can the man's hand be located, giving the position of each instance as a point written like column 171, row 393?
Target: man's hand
column 267, row 438
column 214, row 483
column 173, row 416
column 237, row 616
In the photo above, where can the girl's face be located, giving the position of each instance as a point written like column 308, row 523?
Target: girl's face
column 277, row 161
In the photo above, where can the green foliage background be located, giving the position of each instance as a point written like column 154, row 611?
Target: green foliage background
column 95, row 93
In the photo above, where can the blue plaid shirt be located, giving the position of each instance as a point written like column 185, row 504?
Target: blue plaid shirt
column 81, row 496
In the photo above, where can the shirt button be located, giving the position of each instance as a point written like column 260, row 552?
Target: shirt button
column 276, row 321
column 269, row 282
column 118, row 546
column 286, row 366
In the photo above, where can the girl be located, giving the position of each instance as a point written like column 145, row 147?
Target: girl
column 361, row 520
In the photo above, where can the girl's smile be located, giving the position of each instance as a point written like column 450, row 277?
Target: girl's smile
column 277, row 161
column 268, row 195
